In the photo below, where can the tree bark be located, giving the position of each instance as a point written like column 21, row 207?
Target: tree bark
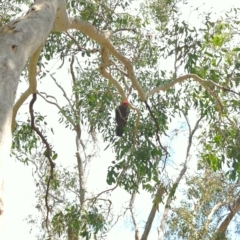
column 157, row 199
column 233, row 210
column 19, row 39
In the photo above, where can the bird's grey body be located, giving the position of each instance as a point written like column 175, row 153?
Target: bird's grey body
column 122, row 112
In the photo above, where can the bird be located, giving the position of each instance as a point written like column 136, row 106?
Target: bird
column 122, row 112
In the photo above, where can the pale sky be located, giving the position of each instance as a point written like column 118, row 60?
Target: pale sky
column 20, row 189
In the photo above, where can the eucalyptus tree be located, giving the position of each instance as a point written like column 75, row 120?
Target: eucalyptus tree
column 146, row 53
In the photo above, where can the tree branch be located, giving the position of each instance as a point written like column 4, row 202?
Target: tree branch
column 48, row 153
column 56, row 104
column 203, row 82
column 157, row 200
column 103, row 66
column 233, row 210
column 32, row 74
column 131, row 206
column 77, row 113
column 161, row 228
column 103, row 38
column 209, row 217
column 63, row 91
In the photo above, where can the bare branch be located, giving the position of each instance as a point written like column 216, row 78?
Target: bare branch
column 63, row 91
column 79, row 47
column 203, row 82
column 77, row 113
column 157, row 200
column 113, row 188
column 32, row 73
column 131, row 206
column 210, row 215
column 161, row 228
column 48, row 154
column 103, row 38
column 118, row 68
column 103, row 71
column 56, row 104
column 233, row 210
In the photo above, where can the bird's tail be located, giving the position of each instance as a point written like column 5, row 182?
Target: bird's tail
column 119, row 132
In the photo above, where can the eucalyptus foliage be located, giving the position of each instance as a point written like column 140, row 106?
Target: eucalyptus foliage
column 162, row 46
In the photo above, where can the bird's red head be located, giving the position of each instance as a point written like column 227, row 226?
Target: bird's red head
column 125, row 102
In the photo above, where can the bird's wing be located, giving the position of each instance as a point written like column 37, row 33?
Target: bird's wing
column 127, row 112
column 118, row 114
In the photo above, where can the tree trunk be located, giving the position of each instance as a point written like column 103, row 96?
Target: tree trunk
column 233, row 210
column 19, row 39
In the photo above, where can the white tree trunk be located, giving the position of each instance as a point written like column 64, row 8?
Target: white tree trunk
column 19, row 39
